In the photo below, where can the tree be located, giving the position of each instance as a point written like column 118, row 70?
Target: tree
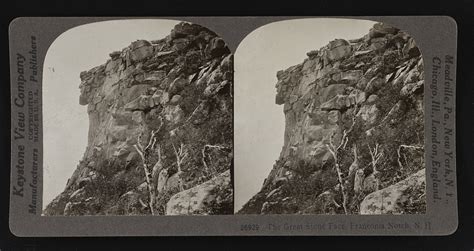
column 181, row 153
column 157, row 169
column 335, row 149
column 375, row 156
column 145, row 153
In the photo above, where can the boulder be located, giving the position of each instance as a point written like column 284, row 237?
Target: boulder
column 140, row 50
column 394, row 199
column 174, row 114
column 372, row 98
column 368, row 113
column 176, row 99
column 338, row 49
column 312, row 54
column 202, row 198
column 115, row 54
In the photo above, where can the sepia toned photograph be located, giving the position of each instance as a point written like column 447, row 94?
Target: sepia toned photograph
column 329, row 119
column 233, row 126
column 137, row 120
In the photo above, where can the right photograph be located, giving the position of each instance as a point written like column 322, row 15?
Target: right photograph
column 329, row 119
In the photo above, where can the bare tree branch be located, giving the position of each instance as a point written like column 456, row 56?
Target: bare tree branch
column 198, row 108
column 375, row 157
column 142, row 203
column 339, row 176
column 144, row 155
column 151, row 190
column 181, row 153
column 334, row 150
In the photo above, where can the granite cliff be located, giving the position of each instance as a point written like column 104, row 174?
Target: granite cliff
column 354, row 132
column 160, row 125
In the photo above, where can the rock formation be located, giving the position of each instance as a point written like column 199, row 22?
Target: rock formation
column 398, row 198
column 166, row 105
column 354, row 129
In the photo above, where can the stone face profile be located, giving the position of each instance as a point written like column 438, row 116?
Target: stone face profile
column 160, row 135
column 364, row 94
column 173, row 94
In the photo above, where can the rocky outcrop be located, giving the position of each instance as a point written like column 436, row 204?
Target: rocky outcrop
column 402, row 197
column 210, row 197
column 358, row 94
column 179, row 87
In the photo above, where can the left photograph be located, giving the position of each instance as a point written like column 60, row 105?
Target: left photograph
column 137, row 120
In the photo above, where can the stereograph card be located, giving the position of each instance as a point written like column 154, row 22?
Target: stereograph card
column 162, row 126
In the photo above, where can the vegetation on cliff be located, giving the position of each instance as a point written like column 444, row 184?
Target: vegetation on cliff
column 160, row 124
column 354, row 127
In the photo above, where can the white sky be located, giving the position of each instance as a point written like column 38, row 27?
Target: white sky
column 65, row 122
column 259, row 122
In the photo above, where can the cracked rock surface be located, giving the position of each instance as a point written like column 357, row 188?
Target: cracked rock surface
column 181, row 83
column 377, row 82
